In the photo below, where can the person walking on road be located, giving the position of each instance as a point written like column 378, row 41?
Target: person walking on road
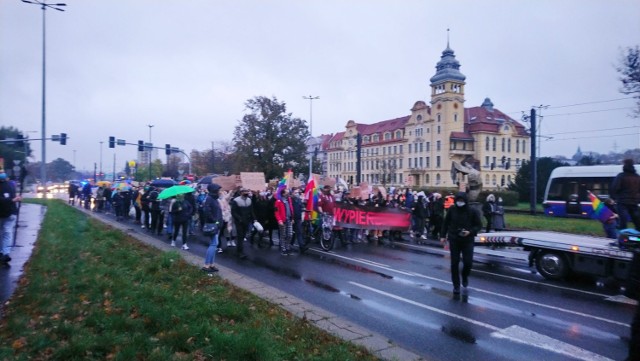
column 8, row 215
column 461, row 224
column 284, row 217
column 625, row 190
column 242, row 212
column 181, row 212
column 488, row 210
column 212, row 213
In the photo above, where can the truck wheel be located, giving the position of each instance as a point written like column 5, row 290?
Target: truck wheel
column 552, row 266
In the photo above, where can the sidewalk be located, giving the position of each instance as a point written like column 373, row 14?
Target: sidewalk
column 31, row 217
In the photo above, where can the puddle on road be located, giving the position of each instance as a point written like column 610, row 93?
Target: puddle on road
column 460, row 334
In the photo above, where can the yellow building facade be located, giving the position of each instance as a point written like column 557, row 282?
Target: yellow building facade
column 422, row 148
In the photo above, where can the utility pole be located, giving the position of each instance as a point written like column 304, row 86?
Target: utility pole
column 149, row 150
column 311, row 99
column 534, row 163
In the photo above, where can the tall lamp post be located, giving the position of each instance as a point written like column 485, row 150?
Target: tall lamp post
column 44, row 6
column 311, row 99
column 101, row 178
column 150, row 149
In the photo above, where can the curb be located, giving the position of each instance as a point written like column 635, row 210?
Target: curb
column 379, row 345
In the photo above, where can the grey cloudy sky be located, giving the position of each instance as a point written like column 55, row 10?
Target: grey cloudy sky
column 187, row 67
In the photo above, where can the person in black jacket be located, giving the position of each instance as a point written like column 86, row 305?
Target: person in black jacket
column 461, row 224
column 625, row 190
column 181, row 210
column 243, row 217
column 212, row 213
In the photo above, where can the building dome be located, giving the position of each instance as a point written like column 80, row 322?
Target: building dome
column 448, row 68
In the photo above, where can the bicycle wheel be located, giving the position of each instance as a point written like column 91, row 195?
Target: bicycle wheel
column 326, row 241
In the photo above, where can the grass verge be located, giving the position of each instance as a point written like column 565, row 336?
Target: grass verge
column 90, row 292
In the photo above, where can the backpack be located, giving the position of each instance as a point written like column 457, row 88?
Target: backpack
column 6, row 203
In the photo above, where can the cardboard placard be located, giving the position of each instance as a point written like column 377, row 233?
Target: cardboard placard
column 328, row 182
column 365, row 190
column 383, row 191
column 355, row 193
column 227, row 183
column 296, row 183
column 254, row 181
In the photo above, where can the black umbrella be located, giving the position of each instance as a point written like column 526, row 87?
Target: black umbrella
column 163, row 183
column 208, row 179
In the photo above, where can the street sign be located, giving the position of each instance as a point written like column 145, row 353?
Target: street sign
column 121, row 142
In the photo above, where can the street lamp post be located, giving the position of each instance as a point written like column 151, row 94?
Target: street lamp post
column 101, row 178
column 44, row 6
column 311, row 99
column 150, row 149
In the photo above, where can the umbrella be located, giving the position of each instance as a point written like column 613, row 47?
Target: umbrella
column 103, row 183
column 174, row 191
column 163, row 183
column 208, row 179
column 121, row 186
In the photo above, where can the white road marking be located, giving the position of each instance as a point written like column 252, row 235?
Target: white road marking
column 586, row 315
column 512, row 333
column 522, row 335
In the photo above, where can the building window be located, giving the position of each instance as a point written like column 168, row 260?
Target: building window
column 401, row 148
column 494, row 144
column 428, row 162
column 420, row 162
column 409, row 145
column 486, row 146
column 419, row 132
column 455, row 117
column 438, row 129
column 524, row 147
column 493, row 180
column 486, row 164
column 375, row 137
column 438, row 162
column 395, row 149
column 420, row 147
column 504, row 142
column 509, row 145
column 438, row 179
column 398, row 134
column 453, row 145
column 400, row 164
column 426, row 179
column 438, row 145
column 428, row 146
column 439, row 117
column 387, row 136
column 486, row 179
column 419, row 117
column 517, row 145
column 410, row 166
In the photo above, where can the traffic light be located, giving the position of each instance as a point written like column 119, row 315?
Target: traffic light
column 493, row 165
column 508, row 165
column 63, row 138
column 504, row 159
column 140, row 146
column 167, row 149
column 112, row 142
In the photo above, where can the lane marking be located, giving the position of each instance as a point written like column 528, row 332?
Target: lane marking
column 518, row 334
column 513, row 333
column 581, row 314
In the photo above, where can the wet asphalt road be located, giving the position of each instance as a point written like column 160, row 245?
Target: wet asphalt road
column 403, row 291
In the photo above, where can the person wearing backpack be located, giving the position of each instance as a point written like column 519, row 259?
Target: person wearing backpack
column 181, row 212
column 8, row 215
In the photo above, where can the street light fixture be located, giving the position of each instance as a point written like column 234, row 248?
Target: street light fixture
column 44, row 6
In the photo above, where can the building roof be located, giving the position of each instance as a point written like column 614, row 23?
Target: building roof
column 448, row 68
column 486, row 118
column 383, row 126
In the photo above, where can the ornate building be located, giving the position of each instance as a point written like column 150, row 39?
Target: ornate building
column 424, row 148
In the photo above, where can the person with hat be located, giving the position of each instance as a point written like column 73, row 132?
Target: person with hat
column 461, row 224
column 8, row 214
column 212, row 213
column 625, row 190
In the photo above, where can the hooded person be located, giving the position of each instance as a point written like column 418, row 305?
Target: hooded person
column 212, row 213
column 8, row 215
column 625, row 190
column 461, row 224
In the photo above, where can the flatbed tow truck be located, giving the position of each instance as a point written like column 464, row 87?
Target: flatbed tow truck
column 556, row 255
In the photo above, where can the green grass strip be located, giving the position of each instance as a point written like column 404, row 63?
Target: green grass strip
column 91, row 292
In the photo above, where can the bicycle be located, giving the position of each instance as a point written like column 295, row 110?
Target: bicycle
column 330, row 233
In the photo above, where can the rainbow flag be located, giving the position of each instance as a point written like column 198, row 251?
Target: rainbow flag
column 311, row 195
column 600, row 211
column 284, row 183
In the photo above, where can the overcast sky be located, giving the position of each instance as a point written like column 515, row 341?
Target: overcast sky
column 187, row 67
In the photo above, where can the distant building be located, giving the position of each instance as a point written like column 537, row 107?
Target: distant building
column 418, row 149
column 148, row 155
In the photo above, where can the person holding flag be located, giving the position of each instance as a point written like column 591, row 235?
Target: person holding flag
column 607, row 214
